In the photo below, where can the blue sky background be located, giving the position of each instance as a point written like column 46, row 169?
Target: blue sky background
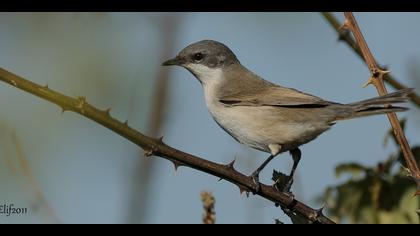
column 87, row 172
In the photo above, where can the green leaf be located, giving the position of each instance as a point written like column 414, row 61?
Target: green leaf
column 354, row 169
column 280, row 179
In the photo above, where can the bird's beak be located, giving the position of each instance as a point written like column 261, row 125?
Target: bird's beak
column 177, row 61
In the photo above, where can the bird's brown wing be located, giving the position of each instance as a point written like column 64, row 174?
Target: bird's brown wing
column 272, row 96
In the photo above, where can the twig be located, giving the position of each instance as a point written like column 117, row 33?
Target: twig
column 28, row 182
column 391, row 80
column 209, row 216
column 156, row 147
column 145, row 168
column 40, row 199
column 377, row 77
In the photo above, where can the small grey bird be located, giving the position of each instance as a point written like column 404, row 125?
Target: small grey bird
column 263, row 115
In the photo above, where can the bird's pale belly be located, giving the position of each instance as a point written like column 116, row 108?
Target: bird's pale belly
column 258, row 127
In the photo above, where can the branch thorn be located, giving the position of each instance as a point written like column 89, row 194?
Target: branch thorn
column 314, row 216
column 14, row 83
column 81, row 103
column 176, row 165
column 242, row 190
column 231, row 164
column 344, row 26
column 369, row 82
column 126, row 122
column 320, row 210
column 148, row 153
column 376, row 72
column 108, row 111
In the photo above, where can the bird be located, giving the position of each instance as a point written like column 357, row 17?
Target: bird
column 263, row 115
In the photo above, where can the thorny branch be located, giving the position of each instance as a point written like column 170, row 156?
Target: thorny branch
column 344, row 36
column 377, row 79
column 157, row 147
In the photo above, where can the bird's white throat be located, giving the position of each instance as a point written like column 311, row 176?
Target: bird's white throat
column 210, row 79
column 205, row 74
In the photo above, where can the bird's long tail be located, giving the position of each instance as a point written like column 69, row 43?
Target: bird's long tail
column 375, row 106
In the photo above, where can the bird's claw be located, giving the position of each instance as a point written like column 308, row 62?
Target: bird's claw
column 284, row 188
column 288, row 185
column 255, row 178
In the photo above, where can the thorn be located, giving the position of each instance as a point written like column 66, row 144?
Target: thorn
column 81, row 104
column 370, row 81
column 344, row 26
column 63, row 110
column 385, row 68
column 160, row 139
column 287, row 211
column 14, row 83
column 176, row 165
column 126, row 122
column 376, row 72
column 313, row 216
column 342, row 34
column 319, row 211
column 107, row 111
column 381, row 72
column 148, row 153
column 220, row 179
column 242, row 190
column 231, row 164
column 43, row 88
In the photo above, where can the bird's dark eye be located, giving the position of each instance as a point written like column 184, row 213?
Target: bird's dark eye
column 198, row 57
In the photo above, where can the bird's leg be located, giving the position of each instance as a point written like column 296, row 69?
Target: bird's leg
column 296, row 155
column 256, row 173
column 275, row 150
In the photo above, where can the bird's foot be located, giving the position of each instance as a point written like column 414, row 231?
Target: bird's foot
column 283, row 184
column 288, row 185
column 255, row 178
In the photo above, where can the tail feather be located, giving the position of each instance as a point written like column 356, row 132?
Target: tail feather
column 375, row 106
column 396, row 97
column 377, row 110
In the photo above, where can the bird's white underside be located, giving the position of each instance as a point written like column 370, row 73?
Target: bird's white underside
column 255, row 127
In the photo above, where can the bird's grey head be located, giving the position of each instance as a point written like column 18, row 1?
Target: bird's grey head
column 204, row 59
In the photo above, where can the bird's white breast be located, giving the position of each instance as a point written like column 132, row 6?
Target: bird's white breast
column 256, row 127
column 237, row 121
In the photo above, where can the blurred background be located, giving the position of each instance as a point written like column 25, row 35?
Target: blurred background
column 66, row 168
